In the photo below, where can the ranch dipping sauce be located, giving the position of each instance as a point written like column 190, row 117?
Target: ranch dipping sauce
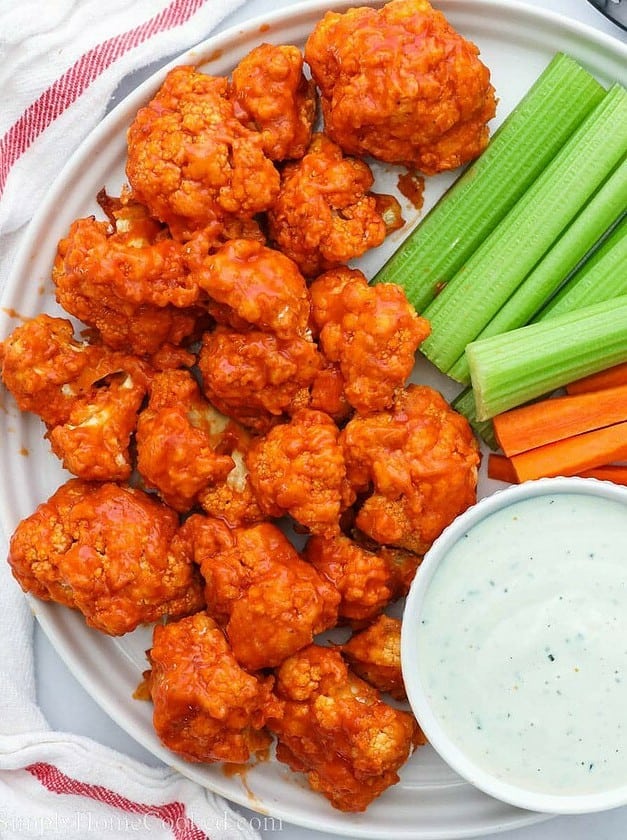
column 522, row 644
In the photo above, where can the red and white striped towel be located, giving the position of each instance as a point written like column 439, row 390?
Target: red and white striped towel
column 60, row 62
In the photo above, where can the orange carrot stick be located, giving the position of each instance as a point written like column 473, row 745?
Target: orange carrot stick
column 608, row 378
column 616, row 473
column 573, row 455
column 555, row 419
column 500, row 468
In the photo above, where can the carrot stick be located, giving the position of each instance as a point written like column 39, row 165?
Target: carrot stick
column 500, row 468
column 573, row 455
column 555, row 419
column 609, row 378
column 616, row 473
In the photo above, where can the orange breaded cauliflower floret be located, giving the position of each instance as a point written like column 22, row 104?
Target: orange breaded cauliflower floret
column 104, row 549
column 83, row 274
column 298, row 469
column 251, row 285
column 255, row 377
column 269, row 89
column 325, row 215
column 206, row 707
column 400, row 84
column 336, row 728
column 418, row 463
column 44, row 367
column 372, row 332
column 94, row 442
column 233, row 500
column 269, row 600
column 178, row 434
column 374, row 654
column 191, row 161
column 87, row 394
column 367, row 580
column 134, row 254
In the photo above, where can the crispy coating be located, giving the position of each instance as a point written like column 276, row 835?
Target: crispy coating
column 92, row 295
column 255, row 377
column 44, row 367
column 104, row 549
column 374, row 654
column 418, row 463
column 270, row 601
column 327, row 392
column 269, row 88
column 324, row 215
column 336, row 728
column 206, row 707
column 250, row 284
column 367, row 580
column 372, row 332
column 191, row 161
column 178, row 434
column 400, row 84
column 298, row 469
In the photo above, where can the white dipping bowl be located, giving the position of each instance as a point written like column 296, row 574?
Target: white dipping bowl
column 428, row 692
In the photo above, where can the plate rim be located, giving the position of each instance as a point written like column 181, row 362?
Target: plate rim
column 199, row 54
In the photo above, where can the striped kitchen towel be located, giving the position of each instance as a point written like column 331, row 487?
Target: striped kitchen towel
column 60, row 64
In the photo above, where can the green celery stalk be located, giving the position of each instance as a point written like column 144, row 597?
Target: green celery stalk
column 521, row 239
column 530, row 136
column 512, row 368
column 464, row 403
column 559, row 263
column 604, row 276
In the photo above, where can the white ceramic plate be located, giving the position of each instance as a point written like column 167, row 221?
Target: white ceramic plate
column 430, row 801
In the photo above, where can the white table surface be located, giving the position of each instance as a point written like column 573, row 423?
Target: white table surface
column 69, row 708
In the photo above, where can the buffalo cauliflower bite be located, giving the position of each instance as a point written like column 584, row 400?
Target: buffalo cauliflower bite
column 191, row 161
column 374, row 654
column 417, row 463
column 178, row 434
column 94, row 441
column 44, row 367
column 206, row 707
column 233, row 500
column 298, row 469
column 87, row 394
column 255, row 377
column 324, row 215
column 336, row 728
column 133, row 254
column 400, row 84
column 367, row 580
column 92, row 297
column 270, row 90
column 372, row 332
column 104, row 549
column 251, row 285
column 269, row 600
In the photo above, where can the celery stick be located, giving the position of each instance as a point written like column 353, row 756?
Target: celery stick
column 465, row 404
column 604, row 276
column 497, row 268
column 605, row 207
column 522, row 146
column 512, row 368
